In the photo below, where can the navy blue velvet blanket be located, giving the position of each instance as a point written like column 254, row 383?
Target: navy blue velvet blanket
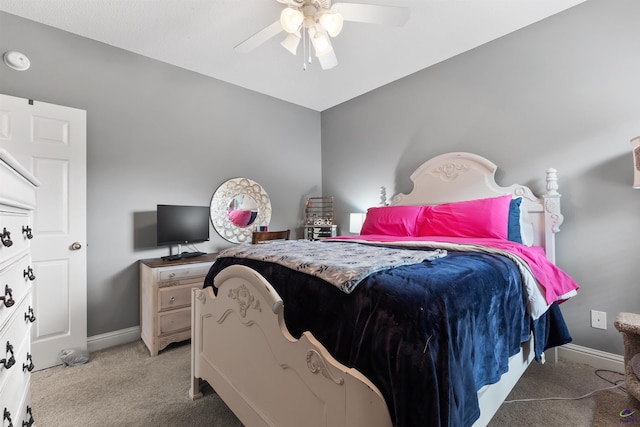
column 427, row 335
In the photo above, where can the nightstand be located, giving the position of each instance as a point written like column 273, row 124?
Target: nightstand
column 165, row 298
column 319, row 232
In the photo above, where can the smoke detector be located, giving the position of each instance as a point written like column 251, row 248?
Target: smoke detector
column 16, row 60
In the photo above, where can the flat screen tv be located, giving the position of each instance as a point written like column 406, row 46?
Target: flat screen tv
column 182, row 224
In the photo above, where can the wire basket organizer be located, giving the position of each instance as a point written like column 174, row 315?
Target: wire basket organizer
column 319, row 211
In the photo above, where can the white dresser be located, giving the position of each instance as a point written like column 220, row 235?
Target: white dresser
column 165, row 298
column 17, row 202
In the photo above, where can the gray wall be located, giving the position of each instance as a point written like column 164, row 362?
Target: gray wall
column 158, row 134
column 562, row 93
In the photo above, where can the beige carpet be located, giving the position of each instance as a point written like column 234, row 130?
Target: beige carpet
column 563, row 380
column 124, row 386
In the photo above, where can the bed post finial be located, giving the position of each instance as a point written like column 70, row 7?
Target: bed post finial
column 552, row 216
column 552, row 182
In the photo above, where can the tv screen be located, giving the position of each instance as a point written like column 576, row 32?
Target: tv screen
column 182, row 224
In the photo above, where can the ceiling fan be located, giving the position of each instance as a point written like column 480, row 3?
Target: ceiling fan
column 314, row 21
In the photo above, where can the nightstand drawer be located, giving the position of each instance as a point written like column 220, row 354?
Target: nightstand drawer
column 175, row 296
column 174, row 320
column 183, row 272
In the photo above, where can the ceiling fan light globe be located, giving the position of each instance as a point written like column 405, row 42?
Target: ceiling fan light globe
column 321, row 44
column 332, row 22
column 291, row 42
column 291, row 19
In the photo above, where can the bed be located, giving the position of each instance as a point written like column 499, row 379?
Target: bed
column 438, row 349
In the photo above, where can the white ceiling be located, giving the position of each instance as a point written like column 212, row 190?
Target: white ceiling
column 199, row 35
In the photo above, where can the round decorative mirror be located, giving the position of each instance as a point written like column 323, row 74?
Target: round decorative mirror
column 238, row 206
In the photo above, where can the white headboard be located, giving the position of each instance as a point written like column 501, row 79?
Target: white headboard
column 458, row 176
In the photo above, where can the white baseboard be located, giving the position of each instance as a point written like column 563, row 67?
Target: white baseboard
column 112, row 339
column 571, row 352
column 592, row 357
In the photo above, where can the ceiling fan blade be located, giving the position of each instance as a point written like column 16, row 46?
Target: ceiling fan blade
column 373, row 14
column 328, row 60
column 260, row 37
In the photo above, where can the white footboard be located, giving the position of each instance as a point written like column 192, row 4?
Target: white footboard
column 242, row 348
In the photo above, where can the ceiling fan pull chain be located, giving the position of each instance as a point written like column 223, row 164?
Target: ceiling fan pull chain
column 309, row 46
column 304, row 48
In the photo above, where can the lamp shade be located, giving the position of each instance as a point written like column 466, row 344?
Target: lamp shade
column 355, row 222
column 332, row 22
column 321, row 43
column 291, row 19
column 635, row 144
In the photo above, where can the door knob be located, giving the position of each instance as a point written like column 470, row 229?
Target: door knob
column 75, row 246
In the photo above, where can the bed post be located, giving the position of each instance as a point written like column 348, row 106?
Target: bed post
column 195, row 388
column 552, row 216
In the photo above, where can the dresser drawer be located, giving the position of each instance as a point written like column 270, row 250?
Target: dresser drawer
column 183, row 272
column 14, row 391
column 174, row 321
column 13, row 223
column 13, row 286
column 175, row 296
column 15, row 339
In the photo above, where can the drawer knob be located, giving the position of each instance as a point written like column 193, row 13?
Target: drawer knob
column 6, row 237
column 8, row 363
column 172, row 300
column 30, row 316
column 7, row 299
column 29, row 273
column 30, row 422
column 30, row 366
column 27, row 231
column 7, row 416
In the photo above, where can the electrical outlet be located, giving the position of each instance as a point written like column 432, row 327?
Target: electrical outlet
column 598, row 319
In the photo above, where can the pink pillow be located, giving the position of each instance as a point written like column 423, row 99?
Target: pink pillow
column 391, row 220
column 486, row 218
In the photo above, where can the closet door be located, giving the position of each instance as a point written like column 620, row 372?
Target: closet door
column 50, row 141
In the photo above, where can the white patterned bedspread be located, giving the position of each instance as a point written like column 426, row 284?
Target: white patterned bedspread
column 342, row 264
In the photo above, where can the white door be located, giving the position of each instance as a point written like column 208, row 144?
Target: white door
column 50, row 141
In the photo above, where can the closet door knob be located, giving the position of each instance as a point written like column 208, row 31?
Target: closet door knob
column 75, row 246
